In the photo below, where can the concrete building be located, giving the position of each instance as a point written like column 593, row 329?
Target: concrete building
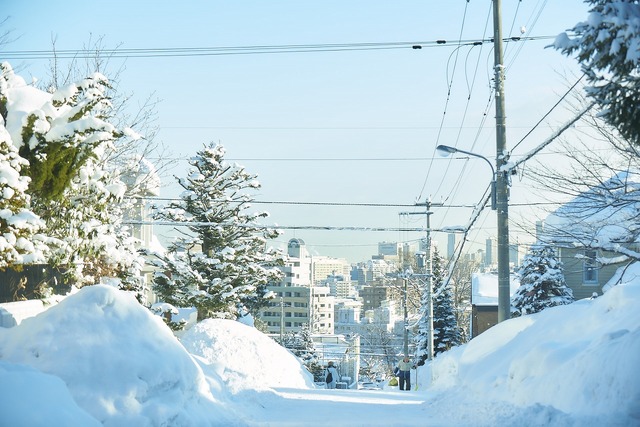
column 340, row 286
column 347, row 316
column 389, row 249
column 373, row 295
column 297, row 301
column 324, row 266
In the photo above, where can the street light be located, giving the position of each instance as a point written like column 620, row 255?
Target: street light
column 504, row 275
column 445, row 150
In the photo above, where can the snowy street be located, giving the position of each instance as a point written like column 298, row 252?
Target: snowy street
column 343, row 407
column 100, row 357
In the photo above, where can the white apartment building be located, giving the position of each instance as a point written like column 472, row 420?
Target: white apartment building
column 340, row 286
column 347, row 316
column 297, row 301
column 324, row 266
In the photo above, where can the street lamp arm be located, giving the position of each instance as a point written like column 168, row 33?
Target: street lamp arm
column 452, row 150
column 446, row 150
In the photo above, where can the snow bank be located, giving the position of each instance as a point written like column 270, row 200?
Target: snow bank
column 580, row 359
column 119, row 362
column 244, row 357
column 25, row 389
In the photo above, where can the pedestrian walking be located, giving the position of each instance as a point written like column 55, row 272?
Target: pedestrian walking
column 403, row 371
column 332, row 376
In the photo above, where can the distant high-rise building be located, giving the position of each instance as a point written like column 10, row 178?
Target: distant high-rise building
column 539, row 229
column 451, row 245
column 514, row 254
column 389, row 248
column 491, row 252
column 324, row 266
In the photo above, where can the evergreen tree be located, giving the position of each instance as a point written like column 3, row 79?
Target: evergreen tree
column 66, row 136
column 542, row 283
column 223, row 263
column 301, row 344
column 606, row 45
column 446, row 332
column 20, row 241
column 445, row 328
column 87, row 223
column 60, row 133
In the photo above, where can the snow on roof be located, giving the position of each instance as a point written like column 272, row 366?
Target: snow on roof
column 484, row 288
column 627, row 274
column 603, row 214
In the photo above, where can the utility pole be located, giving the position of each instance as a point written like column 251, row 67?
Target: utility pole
column 429, row 283
column 406, row 320
column 427, row 273
column 502, row 189
column 281, row 320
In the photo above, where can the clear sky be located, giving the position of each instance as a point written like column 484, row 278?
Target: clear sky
column 336, row 127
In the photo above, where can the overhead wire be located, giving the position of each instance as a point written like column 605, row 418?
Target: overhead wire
column 529, row 26
column 241, row 50
column 458, row 182
column 448, row 98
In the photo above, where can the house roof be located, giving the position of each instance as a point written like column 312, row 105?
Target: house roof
column 484, row 288
column 604, row 214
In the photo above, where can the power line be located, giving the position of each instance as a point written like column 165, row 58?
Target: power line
column 264, row 202
column 245, row 50
column 284, row 227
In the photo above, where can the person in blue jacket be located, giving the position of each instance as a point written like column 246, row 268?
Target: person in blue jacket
column 403, row 371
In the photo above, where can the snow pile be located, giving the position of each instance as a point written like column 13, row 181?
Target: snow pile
column 119, row 362
column 244, row 357
column 580, row 359
column 99, row 358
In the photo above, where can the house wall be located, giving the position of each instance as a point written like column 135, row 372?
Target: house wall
column 573, row 266
column 482, row 318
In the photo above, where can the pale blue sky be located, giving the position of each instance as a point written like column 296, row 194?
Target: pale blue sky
column 378, row 104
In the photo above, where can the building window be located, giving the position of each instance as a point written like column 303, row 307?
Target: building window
column 590, row 272
column 287, row 314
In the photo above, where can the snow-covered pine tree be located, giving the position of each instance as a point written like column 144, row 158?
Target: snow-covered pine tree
column 58, row 132
column 88, row 223
column 542, row 283
column 65, row 136
column 300, row 343
column 20, row 241
column 223, row 263
column 606, row 45
column 446, row 332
